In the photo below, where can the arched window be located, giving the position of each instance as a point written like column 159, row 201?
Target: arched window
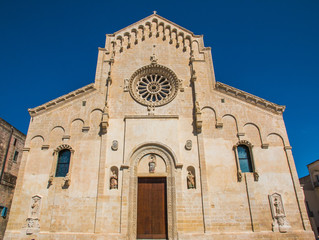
column 63, row 163
column 244, row 158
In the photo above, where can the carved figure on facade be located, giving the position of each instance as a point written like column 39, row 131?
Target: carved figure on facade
column 114, row 180
column 153, row 59
column 32, row 222
column 126, row 85
column 190, row 180
column 280, row 222
column 152, row 163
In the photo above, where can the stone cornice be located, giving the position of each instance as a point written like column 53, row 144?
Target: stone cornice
column 59, row 100
column 247, row 97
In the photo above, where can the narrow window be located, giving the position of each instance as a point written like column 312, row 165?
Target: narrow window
column 3, row 211
column 15, row 156
column 15, row 142
column 63, row 163
column 244, row 158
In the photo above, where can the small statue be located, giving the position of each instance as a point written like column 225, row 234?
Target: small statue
column 197, row 108
column 190, row 180
column 126, row 85
column 35, row 207
column 113, row 181
column 278, row 207
column 152, row 163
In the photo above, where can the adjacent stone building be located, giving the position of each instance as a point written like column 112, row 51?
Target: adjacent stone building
column 310, row 186
column 155, row 148
column 11, row 145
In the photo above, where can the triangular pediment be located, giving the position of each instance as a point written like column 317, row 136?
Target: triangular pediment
column 153, row 27
column 158, row 21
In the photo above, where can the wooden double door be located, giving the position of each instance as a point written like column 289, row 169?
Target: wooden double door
column 151, row 208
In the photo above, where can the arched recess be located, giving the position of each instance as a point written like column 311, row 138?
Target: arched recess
column 275, row 139
column 209, row 121
column 252, row 133
column 230, row 127
column 76, row 126
column 95, row 119
column 36, row 141
column 170, row 160
column 56, row 134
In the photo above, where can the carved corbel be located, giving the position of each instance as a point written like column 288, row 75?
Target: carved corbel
column 105, row 120
column 265, row 145
column 256, row 176
column 239, row 176
column 67, row 180
column 219, row 125
column 194, row 77
column 192, row 58
column 50, row 181
column 109, row 79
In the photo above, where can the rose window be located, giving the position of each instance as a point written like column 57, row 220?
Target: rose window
column 153, row 85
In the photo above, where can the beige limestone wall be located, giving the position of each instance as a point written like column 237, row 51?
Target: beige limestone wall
column 220, row 207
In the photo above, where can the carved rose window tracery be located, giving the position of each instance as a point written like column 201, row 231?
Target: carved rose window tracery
column 153, row 85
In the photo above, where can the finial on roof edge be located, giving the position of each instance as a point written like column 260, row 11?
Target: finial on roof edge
column 154, row 12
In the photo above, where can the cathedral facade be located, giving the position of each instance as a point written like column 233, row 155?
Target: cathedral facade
column 155, row 148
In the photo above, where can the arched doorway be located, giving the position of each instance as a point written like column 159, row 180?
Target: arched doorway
column 141, row 173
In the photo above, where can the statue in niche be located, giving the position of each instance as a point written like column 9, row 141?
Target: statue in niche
column 32, row 222
column 280, row 222
column 278, row 206
column 113, row 180
column 152, row 163
column 190, row 180
column 35, row 207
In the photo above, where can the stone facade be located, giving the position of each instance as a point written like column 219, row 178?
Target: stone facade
column 310, row 185
column 11, row 145
column 155, row 110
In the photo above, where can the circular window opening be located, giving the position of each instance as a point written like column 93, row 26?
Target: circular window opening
column 153, row 85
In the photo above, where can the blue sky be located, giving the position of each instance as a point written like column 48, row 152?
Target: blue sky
column 269, row 48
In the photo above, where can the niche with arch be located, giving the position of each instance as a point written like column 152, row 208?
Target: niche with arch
column 151, row 164
column 191, row 178
column 114, row 177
